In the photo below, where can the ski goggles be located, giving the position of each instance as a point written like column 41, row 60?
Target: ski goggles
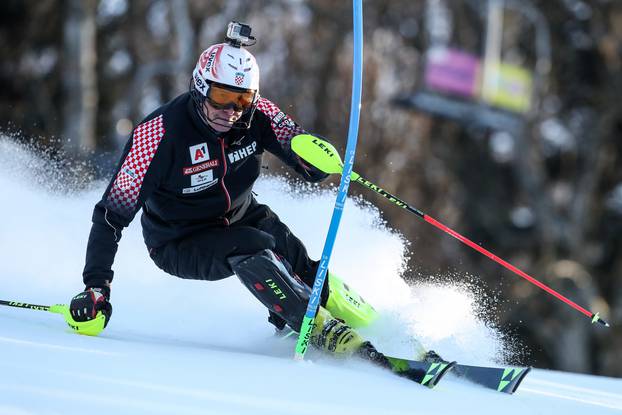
column 223, row 98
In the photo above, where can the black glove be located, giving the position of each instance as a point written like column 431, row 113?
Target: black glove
column 309, row 172
column 85, row 305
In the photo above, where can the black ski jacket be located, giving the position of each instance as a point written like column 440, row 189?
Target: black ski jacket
column 185, row 178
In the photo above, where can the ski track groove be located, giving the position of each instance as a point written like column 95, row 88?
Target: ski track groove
column 56, row 347
column 578, row 389
column 527, row 389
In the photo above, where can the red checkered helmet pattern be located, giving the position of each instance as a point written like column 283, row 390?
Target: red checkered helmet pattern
column 123, row 196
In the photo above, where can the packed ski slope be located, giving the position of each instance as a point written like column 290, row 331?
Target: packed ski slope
column 189, row 347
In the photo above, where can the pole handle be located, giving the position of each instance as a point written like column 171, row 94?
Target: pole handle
column 89, row 328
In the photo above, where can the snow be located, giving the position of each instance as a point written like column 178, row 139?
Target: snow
column 192, row 347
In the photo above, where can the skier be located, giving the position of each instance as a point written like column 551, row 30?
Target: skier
column 191, row 165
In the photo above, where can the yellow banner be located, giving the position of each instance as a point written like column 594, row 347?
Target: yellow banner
column 507, row 86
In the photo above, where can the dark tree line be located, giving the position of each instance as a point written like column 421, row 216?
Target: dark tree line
column 76, row 75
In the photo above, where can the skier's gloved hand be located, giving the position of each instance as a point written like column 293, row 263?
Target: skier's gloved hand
column 309, row 172
column 85, row 305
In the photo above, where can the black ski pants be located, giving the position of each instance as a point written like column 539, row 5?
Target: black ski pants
column 203, row 255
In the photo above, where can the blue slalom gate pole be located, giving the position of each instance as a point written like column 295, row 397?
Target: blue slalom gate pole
column 342, row 193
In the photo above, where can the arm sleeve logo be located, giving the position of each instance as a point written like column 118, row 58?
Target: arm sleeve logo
column 282, row 125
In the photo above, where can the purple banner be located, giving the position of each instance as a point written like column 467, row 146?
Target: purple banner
column 452, row 71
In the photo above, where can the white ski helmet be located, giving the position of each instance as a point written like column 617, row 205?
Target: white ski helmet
column 229, row 66
column 226, row 65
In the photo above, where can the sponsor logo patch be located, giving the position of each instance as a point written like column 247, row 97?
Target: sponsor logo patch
column 278, row 118
column 203, row 59
column 207, row 58
column 242, row 153
column 195, row 189
column 209, row 164
column 209, row 61
column 126, row 178
column 201, row 178
column 281, row 120
column 199, row 83
column 199, row 153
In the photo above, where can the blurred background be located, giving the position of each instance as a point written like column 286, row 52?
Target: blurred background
column 500, row 118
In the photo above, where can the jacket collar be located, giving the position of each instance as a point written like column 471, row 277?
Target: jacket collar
column 206, row 130
column 199, row 124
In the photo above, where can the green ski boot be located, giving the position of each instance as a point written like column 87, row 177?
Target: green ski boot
column 332, row 335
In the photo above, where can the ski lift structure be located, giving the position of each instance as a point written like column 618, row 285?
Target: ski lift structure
column 482, row 85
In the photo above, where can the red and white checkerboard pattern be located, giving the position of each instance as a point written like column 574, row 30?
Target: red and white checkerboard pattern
column 285, row 129
column 124, row 180
column 123, row 195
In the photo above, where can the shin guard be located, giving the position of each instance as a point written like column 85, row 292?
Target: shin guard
column 269, row 280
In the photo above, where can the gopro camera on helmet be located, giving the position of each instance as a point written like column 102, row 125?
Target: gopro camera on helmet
column 239, row 34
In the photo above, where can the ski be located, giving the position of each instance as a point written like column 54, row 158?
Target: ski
column 425, row 373
column 429, row 371
column 501, row 379
column 506, row 380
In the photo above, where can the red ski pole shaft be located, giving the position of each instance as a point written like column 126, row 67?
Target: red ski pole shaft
column 594, row 316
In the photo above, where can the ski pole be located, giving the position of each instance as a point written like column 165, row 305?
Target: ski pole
column 325, row 157
column 89, row 328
